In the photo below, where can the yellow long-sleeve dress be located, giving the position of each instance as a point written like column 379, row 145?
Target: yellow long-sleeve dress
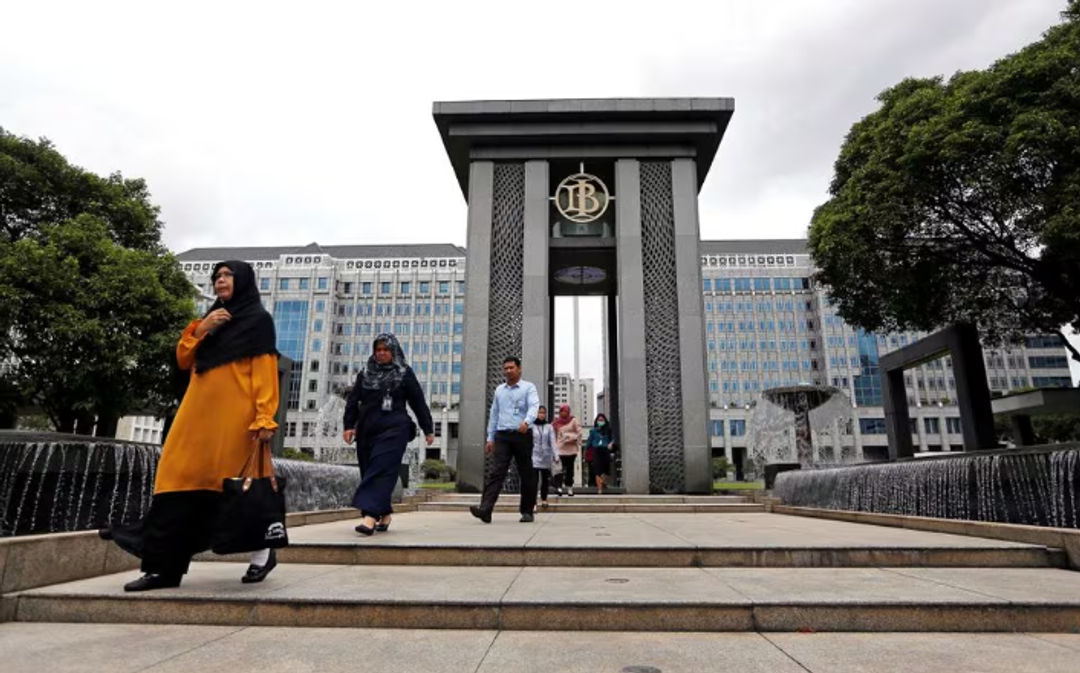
column 211, row 436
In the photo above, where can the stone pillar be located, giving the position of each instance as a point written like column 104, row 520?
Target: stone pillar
column 897, row 418
column 695, row 393
column 535, row 302
column 633, row 424
column 474, row 358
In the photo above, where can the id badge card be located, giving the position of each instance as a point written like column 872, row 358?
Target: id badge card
column 387, row 403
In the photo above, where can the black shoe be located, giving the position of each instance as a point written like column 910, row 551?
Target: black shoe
column 382, row 527
column 151, row 581
column 258, row 573
column 480, row 514
column 526, row 518
column 364, row 530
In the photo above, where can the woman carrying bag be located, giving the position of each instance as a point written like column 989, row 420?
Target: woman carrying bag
column 227, row 414
column 567, row 443
column 375, row 417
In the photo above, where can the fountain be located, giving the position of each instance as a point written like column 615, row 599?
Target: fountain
column 808, row 411
column 52, row 482
column 329, row 447
column 1034, row 486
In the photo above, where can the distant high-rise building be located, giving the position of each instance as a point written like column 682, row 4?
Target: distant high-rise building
column 580, row 394
column 768, row 324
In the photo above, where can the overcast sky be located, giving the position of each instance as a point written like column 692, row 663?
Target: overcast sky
column 286, row 123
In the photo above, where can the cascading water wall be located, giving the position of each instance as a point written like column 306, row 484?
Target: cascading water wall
column 52, row 483
column 1034, row 486
column 49, row 485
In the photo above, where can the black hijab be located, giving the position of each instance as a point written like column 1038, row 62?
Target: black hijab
column 389, row 376
column 251, row 330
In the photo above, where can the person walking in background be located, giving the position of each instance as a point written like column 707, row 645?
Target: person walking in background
column 567, row 443
column 229, row 406
column 544, row 454
column 375, row 417
column 599, row 445
column 513, row 411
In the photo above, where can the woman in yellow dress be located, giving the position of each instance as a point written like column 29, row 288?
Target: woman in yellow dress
column 229, row 406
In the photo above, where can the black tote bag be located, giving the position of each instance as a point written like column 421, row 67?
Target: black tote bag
column 252, row 515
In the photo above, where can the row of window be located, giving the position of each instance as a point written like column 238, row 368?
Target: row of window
column 736, row 428
column 931, row 426
column 748, row 260
column 754, row 284
column 761, row 306
column 731, row 326
column 366, row 287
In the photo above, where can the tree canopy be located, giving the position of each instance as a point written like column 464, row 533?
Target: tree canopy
column 959, row 200
column 91, row 303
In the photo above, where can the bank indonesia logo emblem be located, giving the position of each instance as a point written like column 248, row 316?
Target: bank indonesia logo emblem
column 581, row 197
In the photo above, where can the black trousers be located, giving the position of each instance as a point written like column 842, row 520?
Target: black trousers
column 510, row 445
column 544, row 477
column 567, row 477
column 178, row 526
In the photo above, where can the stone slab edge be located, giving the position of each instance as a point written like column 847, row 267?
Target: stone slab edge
column 30, row 561
column 1067, row 539
column 600, row 616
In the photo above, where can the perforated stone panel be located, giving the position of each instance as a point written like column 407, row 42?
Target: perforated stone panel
column 663, row 379
column 505, row 308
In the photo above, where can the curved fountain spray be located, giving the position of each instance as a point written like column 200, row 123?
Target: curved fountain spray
column 807, row 411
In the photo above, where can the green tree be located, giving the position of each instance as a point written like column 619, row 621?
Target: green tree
column 959, row 200
column 91, row 303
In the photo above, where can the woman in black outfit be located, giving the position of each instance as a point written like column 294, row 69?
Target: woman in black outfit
column 375, row 415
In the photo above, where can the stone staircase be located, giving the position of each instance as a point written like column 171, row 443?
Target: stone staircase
column 657, row 569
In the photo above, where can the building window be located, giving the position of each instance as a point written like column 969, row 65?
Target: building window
column 264, row 284
column 932, row 426
column 872, row 426
column 365, row 288
column 313, row 386
column 304, row 283
column 311, row 405
column 316, row 345
column 384, row 288
column 952, row 425
column 716, row 428
column 283, row 283
column 460, row 286
column 317, row 325
column 320, row 306
column 738, row 427
column 314, row 366
column 322, row 282
column 425, row 287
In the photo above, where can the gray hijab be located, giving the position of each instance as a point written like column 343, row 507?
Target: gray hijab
column 389, row 376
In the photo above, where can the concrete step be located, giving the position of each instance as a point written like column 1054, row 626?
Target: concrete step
column 90, row 648
column 589, row 599
column 651, row 540
column 658, row 557
column 598, row 507
column 474, row 498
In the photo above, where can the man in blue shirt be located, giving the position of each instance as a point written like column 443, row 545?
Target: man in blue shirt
column 509, row 436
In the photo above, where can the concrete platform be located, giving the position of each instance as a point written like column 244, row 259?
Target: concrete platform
column 77, row 648
column 589, row 599
column 667, row 540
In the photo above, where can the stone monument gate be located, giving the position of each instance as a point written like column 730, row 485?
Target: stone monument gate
column 590, row 197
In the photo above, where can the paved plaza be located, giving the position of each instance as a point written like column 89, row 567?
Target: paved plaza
column 660, row 591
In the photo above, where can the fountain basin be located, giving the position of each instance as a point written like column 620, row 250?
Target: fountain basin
column 1033, row 486
column 51, row 482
